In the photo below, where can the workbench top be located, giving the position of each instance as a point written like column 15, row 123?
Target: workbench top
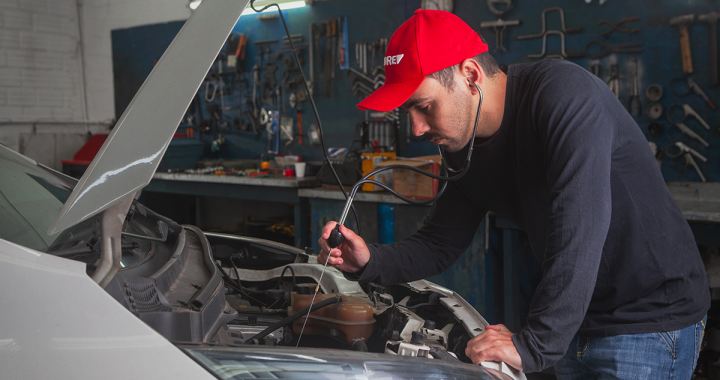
column 236, row 180
column 698, row 201
column 361, row 196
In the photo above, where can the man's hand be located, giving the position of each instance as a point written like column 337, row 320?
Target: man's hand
column 351, row 256
column 494, row 345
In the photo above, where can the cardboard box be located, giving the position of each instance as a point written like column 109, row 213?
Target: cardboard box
column 412, row 184
column 370, row 161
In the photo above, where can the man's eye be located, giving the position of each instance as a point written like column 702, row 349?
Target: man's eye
column 424, row 108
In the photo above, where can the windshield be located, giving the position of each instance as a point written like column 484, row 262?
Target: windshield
column 30, row 199
column 263, row 363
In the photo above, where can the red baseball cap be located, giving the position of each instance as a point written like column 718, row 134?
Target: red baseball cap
column 428, row 42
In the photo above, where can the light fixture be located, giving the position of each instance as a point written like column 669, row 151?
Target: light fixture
column 284, row 4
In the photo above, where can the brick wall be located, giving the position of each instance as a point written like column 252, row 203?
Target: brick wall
column 56, row 69
column 42, row 98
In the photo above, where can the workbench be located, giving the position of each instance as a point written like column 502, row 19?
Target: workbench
column 272, row 189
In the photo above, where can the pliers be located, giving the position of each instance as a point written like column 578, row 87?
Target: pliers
column 607, row 49
column 616, row 26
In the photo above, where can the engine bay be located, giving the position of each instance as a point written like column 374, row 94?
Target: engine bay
column 267, row 286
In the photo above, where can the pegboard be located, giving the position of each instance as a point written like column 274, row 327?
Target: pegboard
column 369, row 20
column 658, row 63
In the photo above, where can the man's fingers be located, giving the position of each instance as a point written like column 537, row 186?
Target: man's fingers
column 499, row 328
column 335, row 258
column 494, row 344
column 328, row 228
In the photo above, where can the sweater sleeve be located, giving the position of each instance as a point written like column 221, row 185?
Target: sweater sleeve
column 574, row 119
column 446, row 233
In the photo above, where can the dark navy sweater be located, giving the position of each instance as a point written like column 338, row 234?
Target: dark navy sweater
column 571, row 168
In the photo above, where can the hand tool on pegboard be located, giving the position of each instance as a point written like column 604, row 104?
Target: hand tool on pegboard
column 544, row 44
column 299, row 123
column 571, row 30
column 655, row 130
column 711, row 19
column 256, row 83
column 687, row 110
column 634, row 105
column 654, row 110
column 330, row 46
column 686, row 131
column 343, row 51
column 607, row 49
column 264, row 44
column 682, row 22
column 311, row 38
column 688, row 153
column 499, row 13
column 654, row 92
column 615, row 26
column 614, row 81
column 677, row 87
column 499, row 28
column 359, row 47
column 318, row 31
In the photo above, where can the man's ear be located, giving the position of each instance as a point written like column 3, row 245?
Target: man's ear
column 472, row 72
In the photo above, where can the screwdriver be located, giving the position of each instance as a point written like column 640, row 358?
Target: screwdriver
column 336, row 238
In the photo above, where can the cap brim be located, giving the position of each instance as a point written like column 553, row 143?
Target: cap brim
column 390, row 95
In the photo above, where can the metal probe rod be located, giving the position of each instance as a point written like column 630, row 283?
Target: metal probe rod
column 344, row 214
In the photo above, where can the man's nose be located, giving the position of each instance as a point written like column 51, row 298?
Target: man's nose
column 419, row 126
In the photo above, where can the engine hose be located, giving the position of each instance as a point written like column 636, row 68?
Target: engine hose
column 286, row 321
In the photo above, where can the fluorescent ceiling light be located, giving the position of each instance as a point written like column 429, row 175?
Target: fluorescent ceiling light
column 259, row 4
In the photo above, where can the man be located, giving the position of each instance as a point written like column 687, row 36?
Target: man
column 624, row 293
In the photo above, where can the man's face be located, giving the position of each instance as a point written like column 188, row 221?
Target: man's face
column 445, row 117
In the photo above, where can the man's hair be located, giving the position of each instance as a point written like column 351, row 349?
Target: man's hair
column 446, row 76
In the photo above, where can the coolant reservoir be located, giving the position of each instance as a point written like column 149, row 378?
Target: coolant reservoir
column 350, row 319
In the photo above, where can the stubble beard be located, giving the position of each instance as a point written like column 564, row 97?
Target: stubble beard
column 462, row 122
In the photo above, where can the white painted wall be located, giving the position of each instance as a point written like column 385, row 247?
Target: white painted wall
column 42, row 101
column 56, row 74
column 97, row 19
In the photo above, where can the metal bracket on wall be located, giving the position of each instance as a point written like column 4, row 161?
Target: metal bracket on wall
column 574, row 29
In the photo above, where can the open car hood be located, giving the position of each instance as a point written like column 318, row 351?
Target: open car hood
column 134, row 148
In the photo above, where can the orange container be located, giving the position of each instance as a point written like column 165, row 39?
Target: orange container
column 350, row 319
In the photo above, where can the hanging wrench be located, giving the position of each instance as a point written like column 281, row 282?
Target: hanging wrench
column 688, row 153
column 696, row 89
column 687, row 131
column 688, row 111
